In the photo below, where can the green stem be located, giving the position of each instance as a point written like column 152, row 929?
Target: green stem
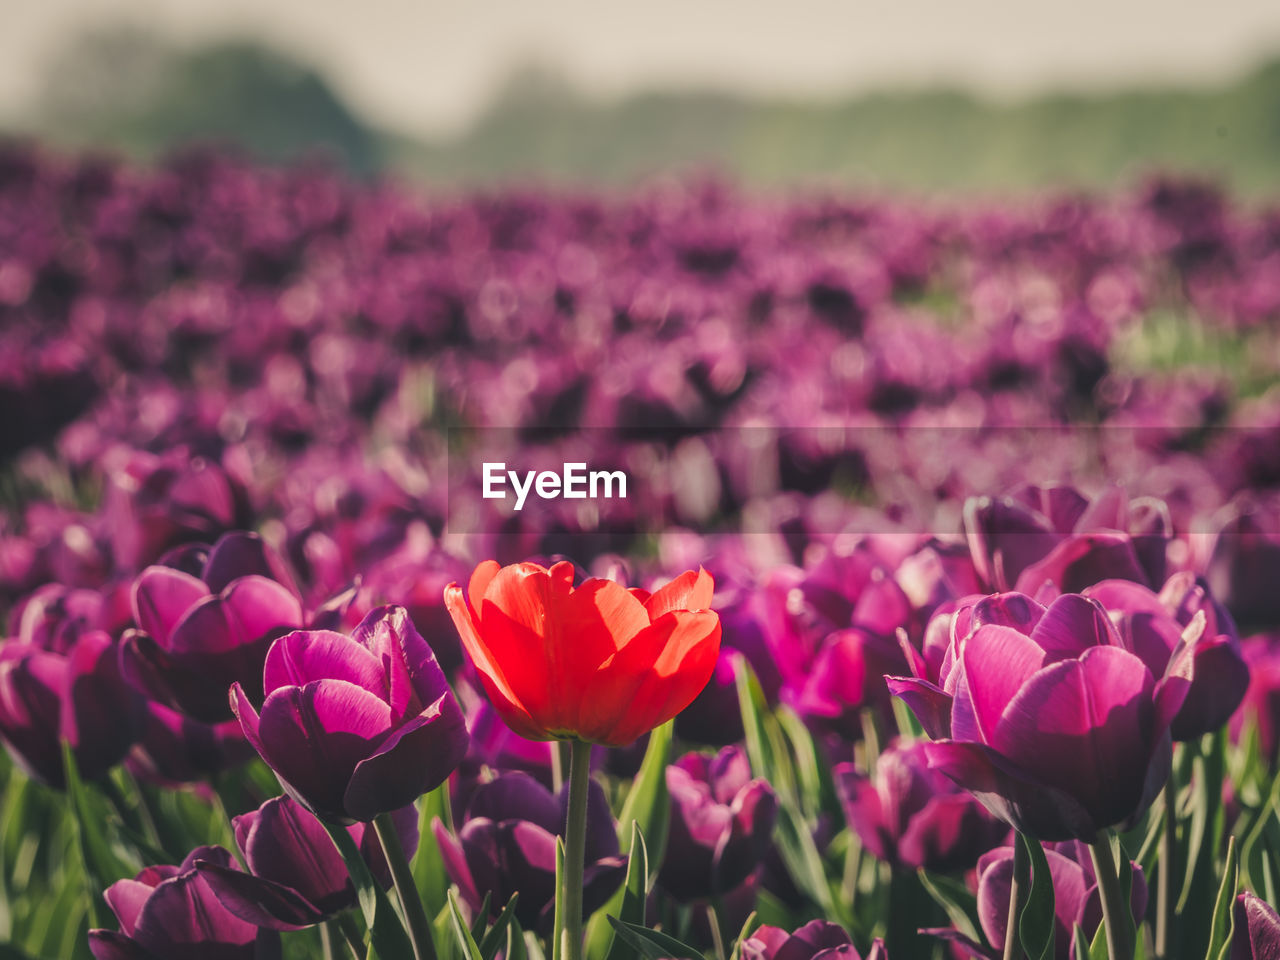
column 386, row 934
column 1167, row 869
column 575, row 851
column 1119, row 943
column 1018, row 886
column 410, row 900
column 559, row 760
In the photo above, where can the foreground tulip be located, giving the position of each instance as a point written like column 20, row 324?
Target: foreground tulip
column 816, row 939
column 296, row 876
column 355, row 726
column 1257, row 929
column 597, row 662
column 170, row 911
column 197, row 636
column 1048, row 719
column 1077, row 897
column 914, row 817
column 47, row 698
column 508, row 845
column 721, row 824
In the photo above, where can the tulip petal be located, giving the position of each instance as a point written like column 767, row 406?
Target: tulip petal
column 651, row 679
column 689, row 591
column 249, row 608
column 297, row 658
column 1071, row 625
column 314, row 737
column 261, row 902
column 1014, row 796
column 455, row 864
column 415, row 758
column 183, row 910
column 931, row 706
column 516, row 795
column 125, row 898
column 479, row 582
column 491, row 676
column 109, row 945
column 997, row 662
column 1086, row 725
column 161, row 597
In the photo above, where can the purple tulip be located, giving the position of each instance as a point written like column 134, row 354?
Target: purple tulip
column 170, row 911
column 1245, row 564
column 296, row 877
column 721, row 824
column 816, row 940
column 846, row 676
column 507, row 844
column 1257, row 929
column 913, row 817
column 1077, row 899
column 355, row 725
column 174, row 749
column 1152, row 626
column 1054, row 535
column 1047, row 718
column 196, row 637
column 47, row 698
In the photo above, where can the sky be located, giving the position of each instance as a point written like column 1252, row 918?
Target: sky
column 429, row 67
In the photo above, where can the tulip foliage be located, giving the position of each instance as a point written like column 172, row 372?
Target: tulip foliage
column 940, row 617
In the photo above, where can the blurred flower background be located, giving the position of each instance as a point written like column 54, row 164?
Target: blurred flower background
column 939, row 343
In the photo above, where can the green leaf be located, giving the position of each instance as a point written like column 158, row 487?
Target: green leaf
column 469, row 949
column 1223, row 908
column 817, row 789
column 557, row 928
column 1036, row 922
column 955, row 898
column 1202, row 843
column 496, row 937
column 653, row 944
column 648, row 802
column 429, row 874
column 634, row 894
column 102, row 865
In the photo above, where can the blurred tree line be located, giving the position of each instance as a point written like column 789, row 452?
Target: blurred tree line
column 126, row 89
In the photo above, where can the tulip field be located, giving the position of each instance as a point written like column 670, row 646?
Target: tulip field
column 678, row 572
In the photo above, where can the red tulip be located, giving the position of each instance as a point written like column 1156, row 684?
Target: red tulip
column 597, row 662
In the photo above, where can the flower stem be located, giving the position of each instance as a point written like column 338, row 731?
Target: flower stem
column 575, row 851
column 1119, row 942
column 1164, row 881
column 410, row 900
column 1018, row 885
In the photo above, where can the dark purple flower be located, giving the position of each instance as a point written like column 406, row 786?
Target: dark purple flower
column 47, row 698
column 170, row 911
column 1257, row 929
column 1041, row 535
column 1152, row 625
column 172, row 748
column 1261, row 703
column 296, row 877
column 507, row 844
column 355, row 725
column 196, row 637
column 816, row 939
column 913, row 817
column 1244, row 566
column 721, row 824
column 1047, row 718
column 1077, row 899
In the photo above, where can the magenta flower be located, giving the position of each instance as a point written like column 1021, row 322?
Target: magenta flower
column 1257, row 929
column 1077, row 899
column 355, row 725
column 296, row 877
column 197, row 636
column 507, row 845
column 816, row 940
column 170, row 911
column 1151, row 626
column 721, row 824
column 1048, row 719
column 913, row 817
column 46, row 698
